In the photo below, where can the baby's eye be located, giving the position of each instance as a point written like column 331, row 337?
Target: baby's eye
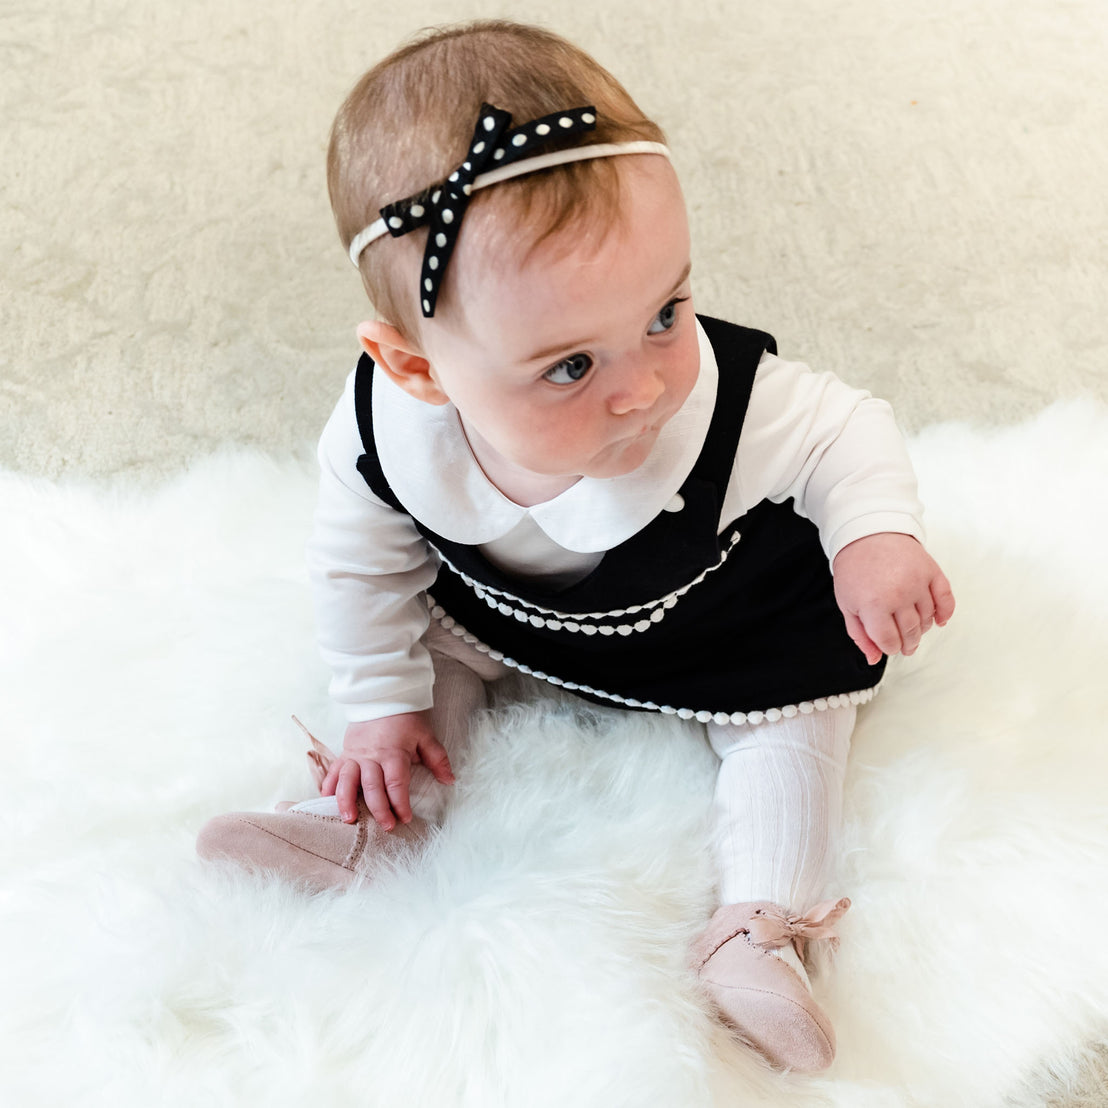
column 666, row 318
column 569, row 369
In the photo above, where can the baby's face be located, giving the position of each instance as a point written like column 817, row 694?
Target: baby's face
column 568, row 362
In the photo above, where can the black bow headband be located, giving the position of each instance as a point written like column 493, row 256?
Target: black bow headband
column 495, row 144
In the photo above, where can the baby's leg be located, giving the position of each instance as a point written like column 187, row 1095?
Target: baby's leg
column 778, row 805
column 777, row 811
column 309, row 842
column 461, row 673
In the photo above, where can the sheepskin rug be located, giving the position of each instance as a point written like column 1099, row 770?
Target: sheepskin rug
column 155, row 642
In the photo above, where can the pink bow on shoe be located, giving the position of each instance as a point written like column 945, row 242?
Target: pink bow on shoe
column 770, row 928
column 767, row 927
column 320, row 756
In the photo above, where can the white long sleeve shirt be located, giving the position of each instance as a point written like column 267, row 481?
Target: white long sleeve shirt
column 834, row 449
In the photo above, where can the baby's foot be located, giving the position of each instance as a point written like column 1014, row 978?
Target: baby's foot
column 749, row 962
column 308, row 843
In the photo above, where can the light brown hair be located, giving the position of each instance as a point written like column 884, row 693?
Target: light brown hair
column 408, row 122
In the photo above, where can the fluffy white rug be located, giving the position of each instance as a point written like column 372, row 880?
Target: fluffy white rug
column 154, row 644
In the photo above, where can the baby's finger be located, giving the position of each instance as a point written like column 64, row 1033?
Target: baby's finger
column 926, row 611
column 433, row 755
column 910, row 629
column 346, row 789
column 862, row 641
column 883, row 630
column 943, row 597
column 330, row 778
column 397, row 772
column 376, row 798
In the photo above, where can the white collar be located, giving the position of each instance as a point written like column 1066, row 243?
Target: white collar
column 429, row 465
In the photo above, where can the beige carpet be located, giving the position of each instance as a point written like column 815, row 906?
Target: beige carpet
column 910, row 195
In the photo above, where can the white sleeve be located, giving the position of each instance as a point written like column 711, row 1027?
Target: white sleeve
column 369, row 567
column 836, row 450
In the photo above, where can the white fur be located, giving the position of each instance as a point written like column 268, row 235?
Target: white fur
column 154, row 645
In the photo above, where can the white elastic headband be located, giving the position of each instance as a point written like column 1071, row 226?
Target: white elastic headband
column 517, row 169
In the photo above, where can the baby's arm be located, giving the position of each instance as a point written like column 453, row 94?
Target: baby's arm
column 369, row 568
column 838, row 452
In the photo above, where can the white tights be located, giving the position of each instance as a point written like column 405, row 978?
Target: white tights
column 460, row 676
column 778, row 800
column 778, row 805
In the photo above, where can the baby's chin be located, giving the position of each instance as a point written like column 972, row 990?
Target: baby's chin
column 624, row 460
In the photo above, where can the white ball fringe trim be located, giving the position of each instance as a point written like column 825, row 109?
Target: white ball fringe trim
column 769, row 715
column 574, row 622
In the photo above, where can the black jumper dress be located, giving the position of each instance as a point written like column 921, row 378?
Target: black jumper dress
column 733, row 626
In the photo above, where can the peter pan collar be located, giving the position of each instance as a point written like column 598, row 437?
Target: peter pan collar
column 429, row 465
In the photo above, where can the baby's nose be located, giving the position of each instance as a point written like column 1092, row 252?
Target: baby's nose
column 641, row 389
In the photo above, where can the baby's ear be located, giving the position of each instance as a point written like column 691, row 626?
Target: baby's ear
column 401, row 360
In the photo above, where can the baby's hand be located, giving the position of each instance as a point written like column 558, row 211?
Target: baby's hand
column 890, row 591
column 378, row 756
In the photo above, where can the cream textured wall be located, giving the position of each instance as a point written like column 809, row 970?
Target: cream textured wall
column 911, row 195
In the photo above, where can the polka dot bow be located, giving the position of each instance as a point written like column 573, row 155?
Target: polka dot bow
column 495, row 144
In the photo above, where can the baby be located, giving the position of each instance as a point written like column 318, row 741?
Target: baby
column 545, row 461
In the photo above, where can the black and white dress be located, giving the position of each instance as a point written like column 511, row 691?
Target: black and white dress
column 699, row 587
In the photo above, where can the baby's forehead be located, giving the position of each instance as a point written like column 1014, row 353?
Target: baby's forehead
column 532, row 225
column 509, row 233
column 534, row 231
column 525, row 222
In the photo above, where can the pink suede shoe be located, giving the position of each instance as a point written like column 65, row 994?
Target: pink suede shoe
column 757, row 992
column 314, row 846
column 320, row 851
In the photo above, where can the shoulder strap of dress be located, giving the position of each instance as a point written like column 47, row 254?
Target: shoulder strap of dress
column 738, row 351
column 369, row 464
